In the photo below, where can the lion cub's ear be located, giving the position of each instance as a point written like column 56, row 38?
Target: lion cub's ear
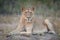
column 33, row 8
column 23, row 9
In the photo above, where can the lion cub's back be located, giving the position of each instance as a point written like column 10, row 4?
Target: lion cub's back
column 39, row 26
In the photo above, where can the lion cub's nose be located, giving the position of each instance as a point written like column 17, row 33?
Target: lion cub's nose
column 28, row 18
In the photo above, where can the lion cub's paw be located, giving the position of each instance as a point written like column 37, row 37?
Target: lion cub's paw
column 25, row 34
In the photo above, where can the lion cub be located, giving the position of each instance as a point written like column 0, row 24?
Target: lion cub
column 27, row 21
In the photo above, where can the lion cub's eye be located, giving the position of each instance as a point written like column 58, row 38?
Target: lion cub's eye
column 30, row 12
column 25, row 12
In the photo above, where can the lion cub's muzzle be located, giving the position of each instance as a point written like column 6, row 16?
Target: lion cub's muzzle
column 29, row 19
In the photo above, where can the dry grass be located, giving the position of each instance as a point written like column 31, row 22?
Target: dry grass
column 9, row 23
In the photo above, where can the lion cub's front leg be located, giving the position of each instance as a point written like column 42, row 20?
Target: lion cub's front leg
column 50, row 26
column 28, row 30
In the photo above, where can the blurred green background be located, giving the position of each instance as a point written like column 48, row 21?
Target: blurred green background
column 43, row 7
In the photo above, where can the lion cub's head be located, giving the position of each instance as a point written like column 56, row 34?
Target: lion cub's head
column 28, row 13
